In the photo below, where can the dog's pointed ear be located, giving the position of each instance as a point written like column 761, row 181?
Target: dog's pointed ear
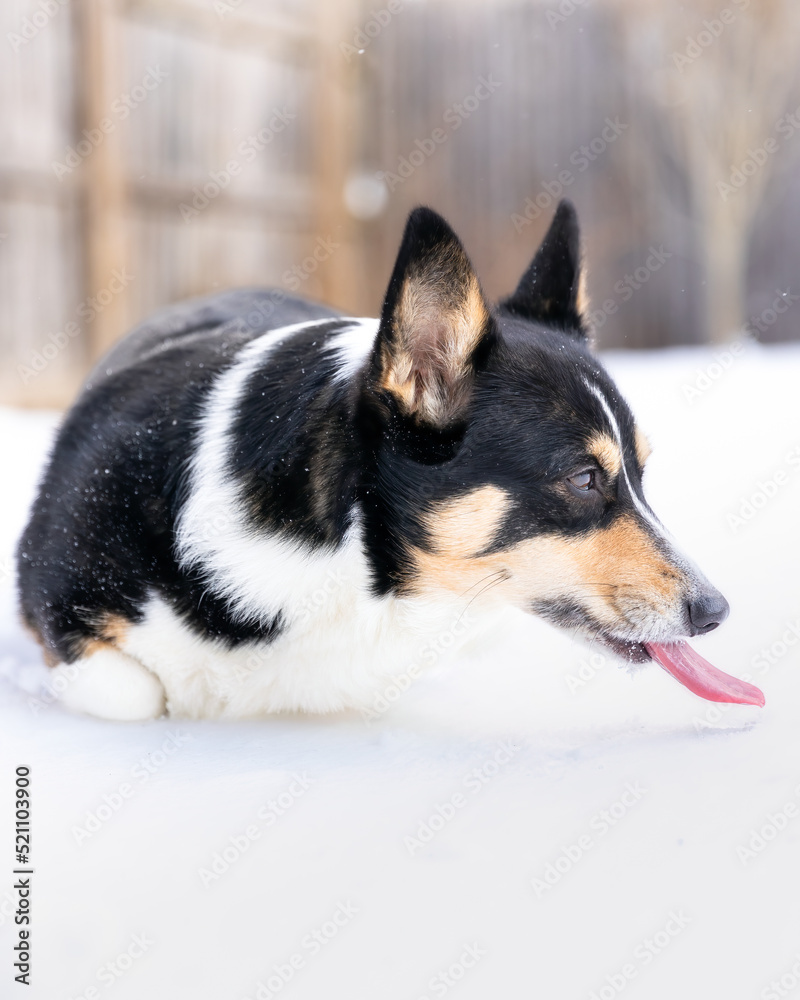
column 552, row 289
column 435, row 330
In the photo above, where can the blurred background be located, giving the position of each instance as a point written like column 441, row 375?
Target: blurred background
column 153, row 150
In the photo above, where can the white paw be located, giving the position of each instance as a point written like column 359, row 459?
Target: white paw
column 110, row 685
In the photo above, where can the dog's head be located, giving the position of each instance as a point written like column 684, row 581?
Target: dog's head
column 503, row 460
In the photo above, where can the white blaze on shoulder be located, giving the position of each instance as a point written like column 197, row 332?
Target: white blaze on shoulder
column 352, row 347
column 259, row 573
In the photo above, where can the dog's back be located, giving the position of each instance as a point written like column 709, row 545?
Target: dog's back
column 240, row 315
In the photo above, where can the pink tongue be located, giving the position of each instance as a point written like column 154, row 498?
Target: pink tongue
column 697, row 674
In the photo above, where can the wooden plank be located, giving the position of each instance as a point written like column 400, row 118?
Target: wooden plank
column 105, row 251
column 290, row 198
column 335, row 140
column 274, row 34
column 37, row 185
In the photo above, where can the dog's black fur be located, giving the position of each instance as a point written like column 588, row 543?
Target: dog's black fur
column 512, row 411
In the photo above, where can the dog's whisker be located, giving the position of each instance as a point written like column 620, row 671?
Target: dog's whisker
column 500, row 577
column 497, row 572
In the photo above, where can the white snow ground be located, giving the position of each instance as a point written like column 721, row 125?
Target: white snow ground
column 661, row 904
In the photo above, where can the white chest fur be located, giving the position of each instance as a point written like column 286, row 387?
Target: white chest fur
column 346, row 649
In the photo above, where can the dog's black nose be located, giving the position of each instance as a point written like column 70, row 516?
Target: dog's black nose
column 707, row 610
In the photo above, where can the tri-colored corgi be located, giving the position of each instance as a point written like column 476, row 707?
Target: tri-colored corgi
column 258, row 505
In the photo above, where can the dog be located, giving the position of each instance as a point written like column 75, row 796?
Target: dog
column 259, row 505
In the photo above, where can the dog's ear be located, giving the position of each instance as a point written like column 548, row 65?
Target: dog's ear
column 435, row 329
column 552, row 289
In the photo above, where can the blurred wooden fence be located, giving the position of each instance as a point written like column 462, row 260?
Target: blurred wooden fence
column 152, row 150
column 531, row 100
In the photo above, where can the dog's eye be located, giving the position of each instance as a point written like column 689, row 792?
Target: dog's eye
column 583, row 481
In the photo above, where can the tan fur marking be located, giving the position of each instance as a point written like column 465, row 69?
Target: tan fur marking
column 617, row 574
column 606, row 450
column 582, row 298
column 114, row 629
column 625, row 555
column 50, row 658
column 438, row 324
column 398, row 368
column 466, row 526
column 643, row 449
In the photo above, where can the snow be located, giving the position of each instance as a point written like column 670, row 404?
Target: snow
column 657, row 901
